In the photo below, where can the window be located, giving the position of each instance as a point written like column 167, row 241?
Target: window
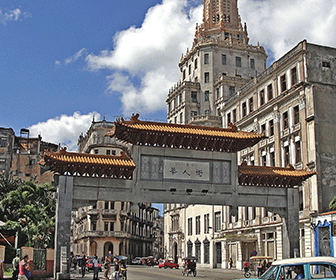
column 181, row 117
column 322, row 271
column 114, row 152
column 198, row 250
column 96, row 151
column 184, row 74
column 194, row 96
column 244, row 109
column 263, row 128
column 206, row 223
column 111, row 226
column 262, row 97
column 286, row 155
column 269, row 92
column 238, row 61
column 283, row 84
column 296, row 114
column 206, row 112
column 3, row 142
column 93, row 226
column 206, row 58
column 326, row 64
column 106, row 206
column 176, row 101
column 272, row 159
column 190, row 246
column 251, row 105
column 206, row 77
column 193, row 113
column 112, row 205
column 217, row 221
column 206, row 244
column 175, row 120
column 252, row 64
column 297, row 151
column 234, row 115
column 106, row 226
column 293, row 76
column 285, row 123
column 189, row 226
column 263, row 160
column 198, row 224
column 206, row 95
column 301, row 200
column 271, row 128
column 223, row 59
column 189, row 69
column 232, row 90
column 228, row 119
column 108, row 152
column 122, row 205
column 195, row 63
column 180, row 99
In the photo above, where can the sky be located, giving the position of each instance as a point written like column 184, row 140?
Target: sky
column 64, row 62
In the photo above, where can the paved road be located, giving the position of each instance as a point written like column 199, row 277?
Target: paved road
column 154, row 273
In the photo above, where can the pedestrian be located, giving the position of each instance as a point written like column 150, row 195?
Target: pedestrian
column 107, row 266
column 83, row 265
column 246, row 266
column 74, row 262
column 15, row 264
column 259, row 268
column 230, row 263
column 1, row 269
column 116, row 269
column 24, row 272
column 95, row 268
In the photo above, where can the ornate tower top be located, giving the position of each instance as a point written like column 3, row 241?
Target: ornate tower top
column 221, row 21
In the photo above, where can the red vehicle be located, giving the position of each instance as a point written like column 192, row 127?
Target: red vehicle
column 89, row 265
column 168, row 263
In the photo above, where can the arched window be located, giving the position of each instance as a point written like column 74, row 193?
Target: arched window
column 189, row 249
column 206, row 244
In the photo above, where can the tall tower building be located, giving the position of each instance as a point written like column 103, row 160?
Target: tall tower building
column 219, row 63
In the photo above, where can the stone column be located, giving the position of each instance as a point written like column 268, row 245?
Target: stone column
column 62, row 229
column 290, row 229
column 277, row 147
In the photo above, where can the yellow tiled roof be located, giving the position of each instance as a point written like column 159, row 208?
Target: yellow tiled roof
column 67, row 157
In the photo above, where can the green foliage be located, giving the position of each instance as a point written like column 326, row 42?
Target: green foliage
column 332, row 204
column 30, row 209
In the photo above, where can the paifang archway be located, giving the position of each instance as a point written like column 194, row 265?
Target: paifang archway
column 173, row 164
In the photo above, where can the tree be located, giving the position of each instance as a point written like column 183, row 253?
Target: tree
column 30, row 210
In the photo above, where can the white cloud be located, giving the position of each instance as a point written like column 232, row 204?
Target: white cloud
column 72, row 58
column 11, row 15
column 280, row 25
column 149, row 53
column 64, row 129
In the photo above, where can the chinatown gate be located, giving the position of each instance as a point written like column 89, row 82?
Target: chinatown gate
column 173, row 163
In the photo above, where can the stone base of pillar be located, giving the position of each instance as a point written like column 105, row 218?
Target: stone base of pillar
column 62, row 276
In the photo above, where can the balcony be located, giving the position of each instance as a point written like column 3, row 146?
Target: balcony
column 109, row 213
column 97, row 234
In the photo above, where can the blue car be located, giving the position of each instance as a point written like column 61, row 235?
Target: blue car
column 301, row 268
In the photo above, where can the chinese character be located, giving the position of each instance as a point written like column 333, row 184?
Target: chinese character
column 199, row 172
column 173, row 170
column 185, row 172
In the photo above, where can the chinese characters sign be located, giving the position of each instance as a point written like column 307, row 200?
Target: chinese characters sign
column 186, row 170
column 159, row 168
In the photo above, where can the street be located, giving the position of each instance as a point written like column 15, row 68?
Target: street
column 154, row 273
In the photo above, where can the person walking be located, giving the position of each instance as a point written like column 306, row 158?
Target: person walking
column 107, row 266
column 15, row 264
column 83, row 265
column 95, row 268
column 24, row 269
column 116, row 269
column 230, row 263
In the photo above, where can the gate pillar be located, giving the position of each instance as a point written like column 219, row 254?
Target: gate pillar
column 290, row 228
column 63, row 224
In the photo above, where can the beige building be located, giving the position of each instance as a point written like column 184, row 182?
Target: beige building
column 292, row 102
column 121, row 228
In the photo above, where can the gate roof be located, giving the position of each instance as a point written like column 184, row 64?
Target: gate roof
column 269, row 176
column 118, row 167
column 183, row 136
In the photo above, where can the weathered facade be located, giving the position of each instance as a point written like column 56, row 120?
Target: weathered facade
column 122, row 228
column 20, row 155
column 291, row 102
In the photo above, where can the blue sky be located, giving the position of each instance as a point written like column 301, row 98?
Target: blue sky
column 61, row 62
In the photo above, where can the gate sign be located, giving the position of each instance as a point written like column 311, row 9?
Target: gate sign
column 186, row 170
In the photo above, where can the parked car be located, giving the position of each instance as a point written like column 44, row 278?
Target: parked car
column 137, row 260
column 302, row 268
column 168, row 263
column 89, row 265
